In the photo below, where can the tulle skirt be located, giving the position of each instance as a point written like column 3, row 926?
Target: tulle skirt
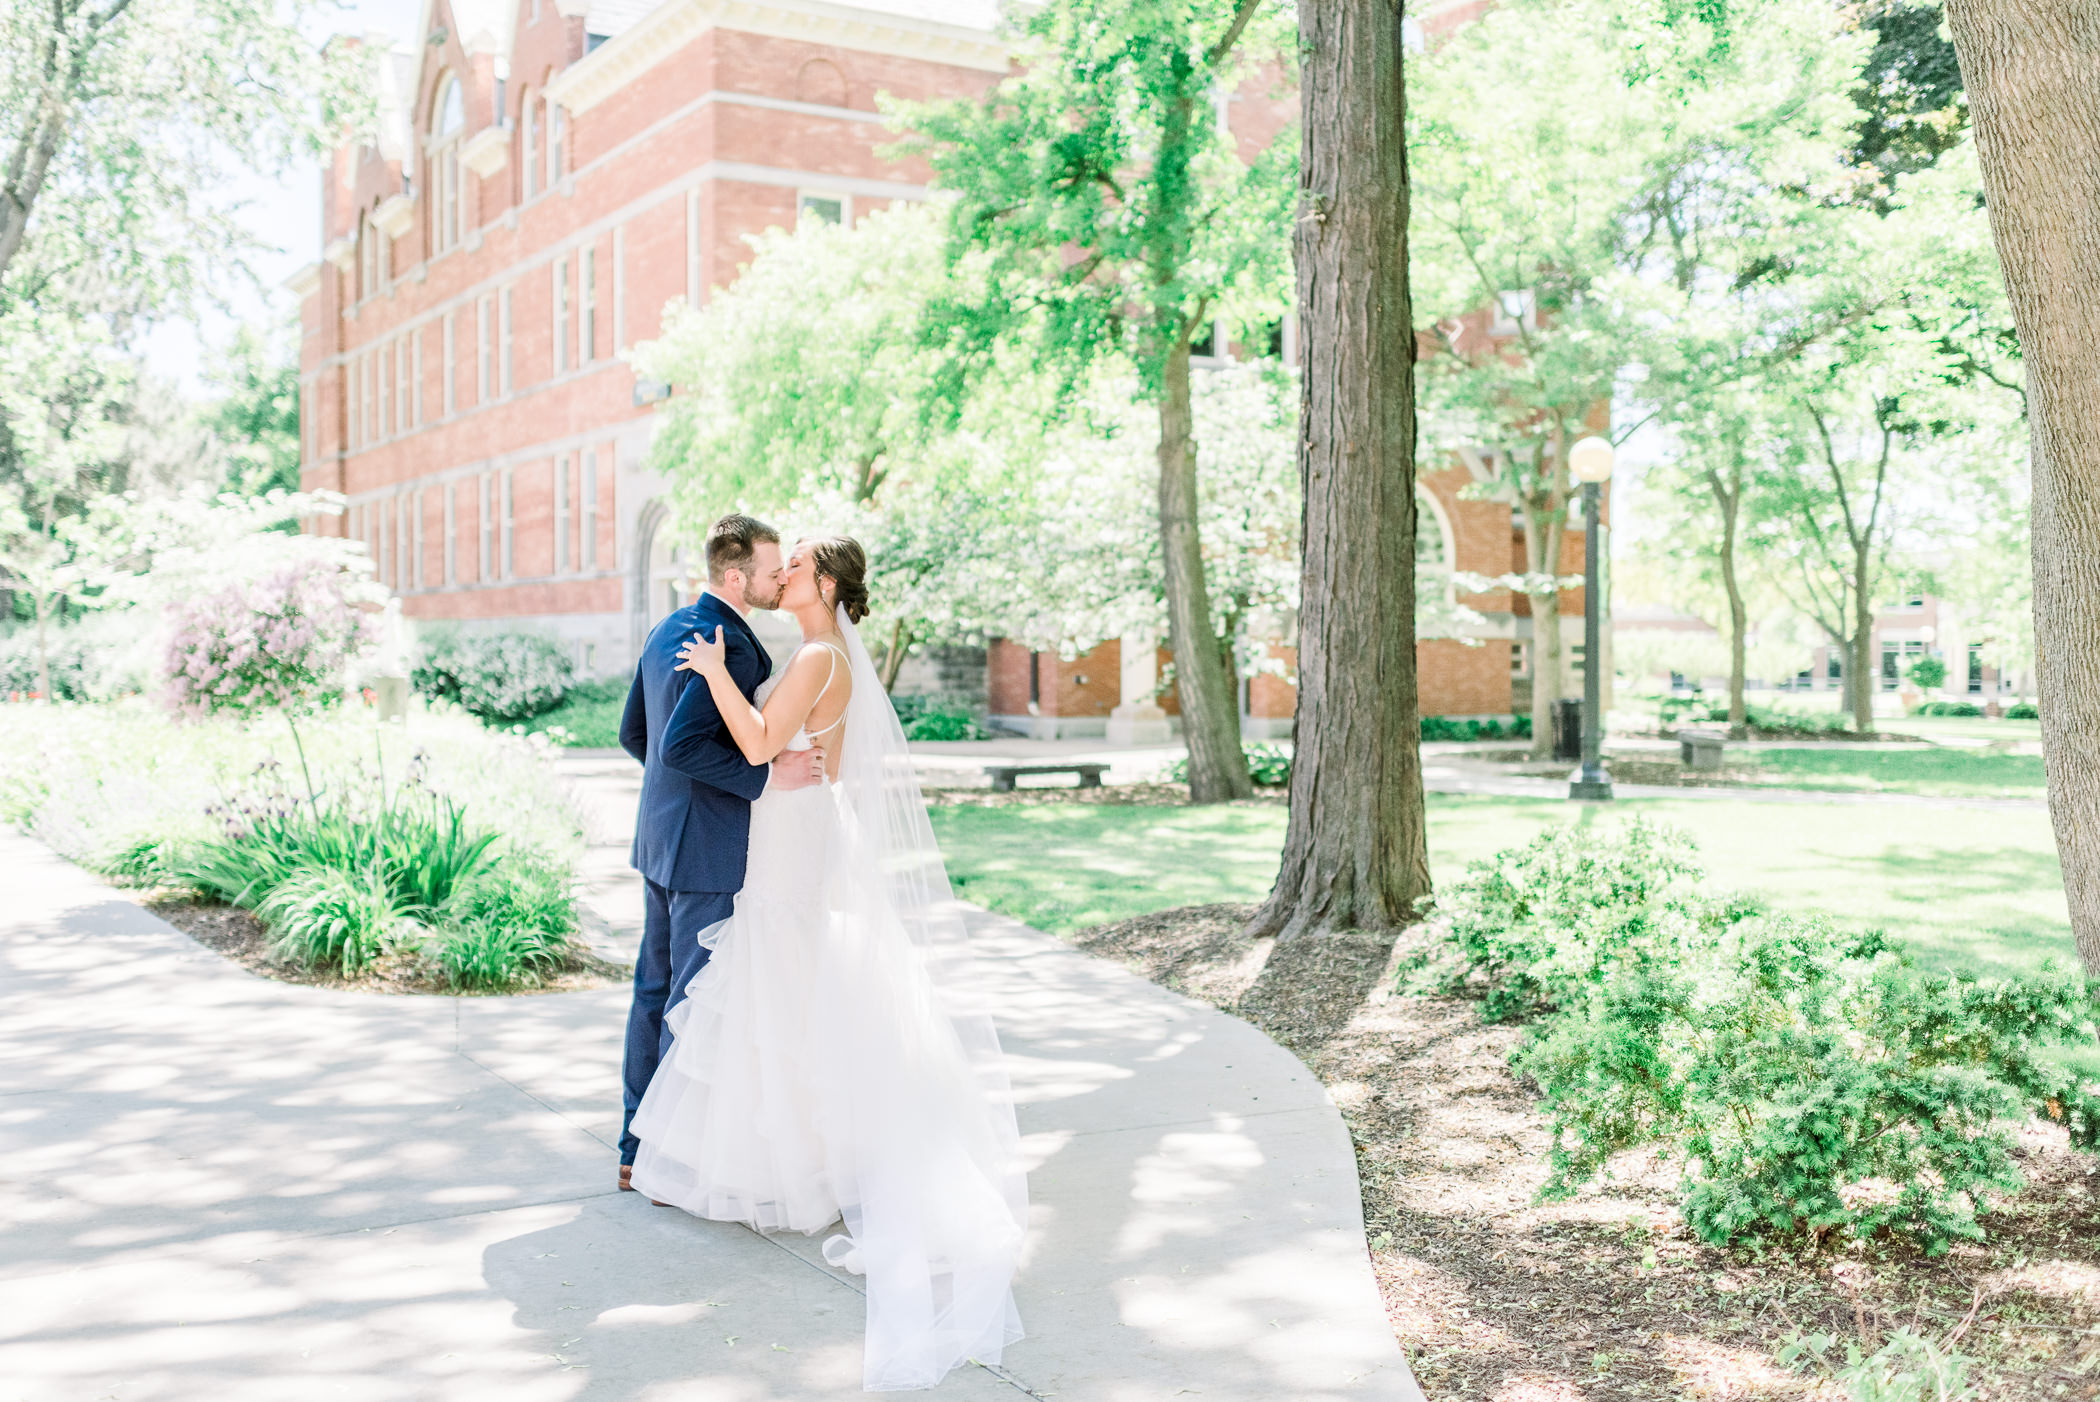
column 816, row 1077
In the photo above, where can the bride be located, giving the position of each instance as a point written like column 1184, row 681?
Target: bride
column 823, row 1068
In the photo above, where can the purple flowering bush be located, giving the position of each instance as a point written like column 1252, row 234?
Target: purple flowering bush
column 280, row 642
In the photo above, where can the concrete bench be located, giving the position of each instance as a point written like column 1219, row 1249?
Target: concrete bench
column 1700, row 749
column 1003, row 775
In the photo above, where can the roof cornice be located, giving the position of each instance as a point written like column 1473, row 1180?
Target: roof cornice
column 676, row 23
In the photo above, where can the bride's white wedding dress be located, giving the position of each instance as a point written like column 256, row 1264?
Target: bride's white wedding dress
column 825, row 1068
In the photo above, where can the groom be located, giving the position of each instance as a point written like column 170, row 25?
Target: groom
column 694, row 827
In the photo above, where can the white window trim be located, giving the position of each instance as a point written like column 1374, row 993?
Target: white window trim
column 590, row 509
column 485, row 520
column 529, row 144
column 805, row 193
column 509, row 524
column 484, row 350
column 587, row 307
column 384, row 366
column 451, row 400
column 562, row 468
column 451, row 534
column 503, row 341
column 559, row 293
column 619, row 289
column 415, row 418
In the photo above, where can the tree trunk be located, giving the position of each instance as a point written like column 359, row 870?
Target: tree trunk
column 1542, row 542
column 1355, row 856
column 2030, row 68
column 1862, row 666
column 1210, row 713
column 1731, row 503
column 893, row 660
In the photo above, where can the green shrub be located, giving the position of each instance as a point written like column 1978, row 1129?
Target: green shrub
column 327, row 917
column 937, row 718
column 1810, row 1082
column 1454, row 728
column 509, row 926
column 589, row 715
column 2022, row 710
column 1528, row 924
column 1949, row 708
column 505, row 677
column 144, row 862
column 1268, row 765
column 419, row 845
column 1910, row 1367
column 1930, row 673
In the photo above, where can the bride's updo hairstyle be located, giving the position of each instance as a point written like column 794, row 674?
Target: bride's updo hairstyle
column 840, row 559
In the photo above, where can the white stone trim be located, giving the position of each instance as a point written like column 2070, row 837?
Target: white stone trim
column 486, row 151
column 676, row 23
column 395, row 216
column 735, row 171
column 342, row 253
column 304, row 283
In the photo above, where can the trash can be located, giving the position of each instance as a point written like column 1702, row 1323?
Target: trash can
column 1567, row 728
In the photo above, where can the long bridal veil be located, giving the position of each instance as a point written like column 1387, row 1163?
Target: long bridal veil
column 938, row 1211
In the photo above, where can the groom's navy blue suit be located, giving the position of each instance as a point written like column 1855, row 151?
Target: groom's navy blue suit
column 694, row 828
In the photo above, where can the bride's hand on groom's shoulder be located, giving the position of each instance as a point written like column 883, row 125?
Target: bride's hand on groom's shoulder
column 703, row 655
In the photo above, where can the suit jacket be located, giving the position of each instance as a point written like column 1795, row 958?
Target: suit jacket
column 694, row 827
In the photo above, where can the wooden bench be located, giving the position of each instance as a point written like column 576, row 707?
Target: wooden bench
column 1003, row 775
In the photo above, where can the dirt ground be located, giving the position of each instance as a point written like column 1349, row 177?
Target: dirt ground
column 1608, row 1296
column 239, row 936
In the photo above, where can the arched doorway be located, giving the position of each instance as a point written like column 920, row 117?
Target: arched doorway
column 660, row 570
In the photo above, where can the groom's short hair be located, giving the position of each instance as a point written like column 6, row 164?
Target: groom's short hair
column 730, row 542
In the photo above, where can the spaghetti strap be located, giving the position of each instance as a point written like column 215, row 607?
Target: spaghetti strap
column 829, row 678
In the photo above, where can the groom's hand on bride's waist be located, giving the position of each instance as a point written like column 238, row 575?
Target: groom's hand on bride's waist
column 797, row 769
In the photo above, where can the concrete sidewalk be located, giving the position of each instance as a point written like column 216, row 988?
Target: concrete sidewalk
column 220, row 1188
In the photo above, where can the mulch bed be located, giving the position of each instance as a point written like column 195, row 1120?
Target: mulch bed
column 1607, row 1296
column 240, row 937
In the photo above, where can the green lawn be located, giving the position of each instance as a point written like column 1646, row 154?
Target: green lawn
column 590, row 713
column 1942, row 773
column 1966, row 888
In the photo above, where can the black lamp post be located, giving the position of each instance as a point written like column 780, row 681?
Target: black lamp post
column 1590, row 461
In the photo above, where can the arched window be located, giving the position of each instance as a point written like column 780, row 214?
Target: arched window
column 1433, row 548
column 447, row 124
column 367, row 257
column 528, row 145
column 557, row 137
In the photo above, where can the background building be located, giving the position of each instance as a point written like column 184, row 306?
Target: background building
column 548, row 175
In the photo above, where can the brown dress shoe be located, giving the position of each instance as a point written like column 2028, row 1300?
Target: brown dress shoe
column 627, row 1184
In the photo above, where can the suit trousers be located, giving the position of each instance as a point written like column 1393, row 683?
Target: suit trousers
column 670, row 956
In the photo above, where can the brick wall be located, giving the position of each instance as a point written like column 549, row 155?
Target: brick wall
column 1456, row 680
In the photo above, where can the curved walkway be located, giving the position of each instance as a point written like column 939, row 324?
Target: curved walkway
column 218, row 1188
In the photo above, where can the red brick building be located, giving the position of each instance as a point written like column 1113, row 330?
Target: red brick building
column 546, row 176
column 1114, row 689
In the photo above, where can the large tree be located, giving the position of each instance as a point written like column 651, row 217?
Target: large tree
column 1124, row 220
column 1354, row 856
column 117, row 122
column 808, row 391
column 2030, row 68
